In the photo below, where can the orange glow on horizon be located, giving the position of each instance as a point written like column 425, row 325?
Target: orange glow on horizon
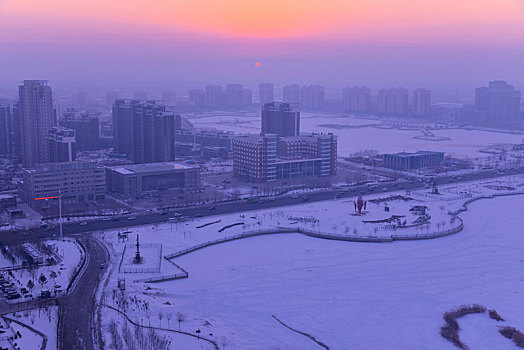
column 271, row 19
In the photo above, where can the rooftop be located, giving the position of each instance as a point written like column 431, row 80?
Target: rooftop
column 149, row 167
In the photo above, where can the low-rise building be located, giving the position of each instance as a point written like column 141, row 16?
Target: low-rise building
column 76, row 182
column 139, row 178
column 412, row 161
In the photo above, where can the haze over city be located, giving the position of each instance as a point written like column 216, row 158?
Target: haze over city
column 444, row 44
column 261, row 174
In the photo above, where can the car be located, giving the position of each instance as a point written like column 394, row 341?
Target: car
column 115, row 219
column 163, row 213
column 102, row 266
column 172, row 219
column 131, row 218
column 83, row 223
column 212, row 208
column 106, row 219
column 198, row 215
column 13, row 296
column 294, row 196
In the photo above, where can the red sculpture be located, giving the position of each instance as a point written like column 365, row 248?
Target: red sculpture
column 359, row 204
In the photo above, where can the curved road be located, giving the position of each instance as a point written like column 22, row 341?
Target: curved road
column 77, row 309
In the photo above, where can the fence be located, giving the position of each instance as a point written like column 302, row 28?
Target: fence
column 122, row 268
column 322, row 235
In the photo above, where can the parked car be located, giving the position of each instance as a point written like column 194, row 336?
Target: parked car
column 131, row 218
column 83, row 223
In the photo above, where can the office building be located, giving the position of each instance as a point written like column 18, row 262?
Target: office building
column 78, row 182
column 135, row 179
column 266, row 158
column 356, row 99
column 62, row 144
column 393, row 101
column 86, row 126
column 498, row 102
column 281, row 119
column 265, row 93
column 312, row 97
column 421, row 102
column 36, row 117
column 413, row 161
column 143, row 131
column 291, row 94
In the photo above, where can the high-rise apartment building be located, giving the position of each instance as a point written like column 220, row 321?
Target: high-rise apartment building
column 144, row 131
column 356, row 99
column 291, row 94
column 312, row 96
column 265, row 93
column 62, row 144
column 499, row 101
column 36, row 117
column 6, row 129
column 237, row 96
column 86, row 126
column 281, row 119
column 214, row 96
column 197, row 98
column 421, row 102
column 393, row 101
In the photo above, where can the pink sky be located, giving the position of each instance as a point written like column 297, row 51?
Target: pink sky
column 251, row 31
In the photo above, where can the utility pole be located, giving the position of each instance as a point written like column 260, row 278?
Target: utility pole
column 60, row 213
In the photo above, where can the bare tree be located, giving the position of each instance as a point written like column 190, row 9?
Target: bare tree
column 160, row 317
column 180, row 317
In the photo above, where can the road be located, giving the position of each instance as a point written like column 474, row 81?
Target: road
column 237, row 206
column 77, row 309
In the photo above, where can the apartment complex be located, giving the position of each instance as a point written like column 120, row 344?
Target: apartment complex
column 282, row 119
column 356, row 99
column 36, row 117
column 143, row 131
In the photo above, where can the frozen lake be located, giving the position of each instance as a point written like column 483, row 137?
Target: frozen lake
column 462, row 143
column 366, row 296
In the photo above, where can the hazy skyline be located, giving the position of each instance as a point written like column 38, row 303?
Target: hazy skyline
column 433, row 44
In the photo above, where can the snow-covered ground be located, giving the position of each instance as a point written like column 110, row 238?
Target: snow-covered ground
column 43, row 321
column 53, row 278
column 347, row 295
